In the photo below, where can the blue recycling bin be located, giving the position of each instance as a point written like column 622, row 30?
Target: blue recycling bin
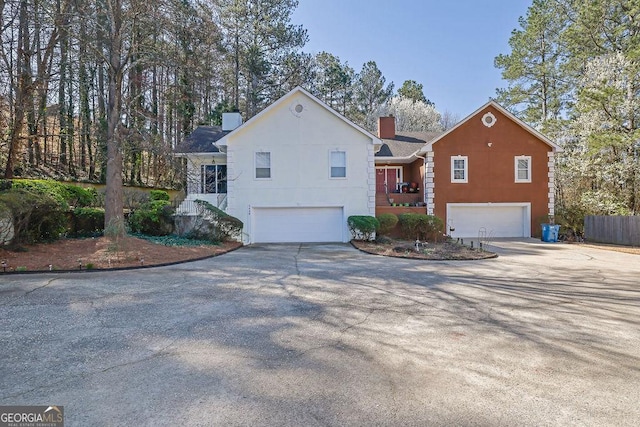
column 550, row 232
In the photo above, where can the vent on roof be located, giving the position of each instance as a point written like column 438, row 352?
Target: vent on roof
column 231, row 121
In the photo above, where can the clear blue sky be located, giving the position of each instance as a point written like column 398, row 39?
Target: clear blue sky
column 447, row 45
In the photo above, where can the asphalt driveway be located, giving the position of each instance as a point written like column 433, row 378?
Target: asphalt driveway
column 546, row 334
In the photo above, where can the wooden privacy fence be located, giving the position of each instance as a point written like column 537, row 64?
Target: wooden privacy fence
column 621, row 230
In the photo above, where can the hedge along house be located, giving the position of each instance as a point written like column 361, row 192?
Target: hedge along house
column 491, row 175
column 293, row 173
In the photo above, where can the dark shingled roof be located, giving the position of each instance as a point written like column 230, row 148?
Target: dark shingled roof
column 202, row 140
column 405, row 143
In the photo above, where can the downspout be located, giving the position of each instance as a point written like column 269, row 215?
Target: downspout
column 424, row 178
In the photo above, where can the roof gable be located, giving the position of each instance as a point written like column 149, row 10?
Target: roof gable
column 282, row 101
column 492, row 103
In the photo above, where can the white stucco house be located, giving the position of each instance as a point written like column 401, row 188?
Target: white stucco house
column 293, row 173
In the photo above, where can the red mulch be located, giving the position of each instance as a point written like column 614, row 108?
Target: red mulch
column 102, row 253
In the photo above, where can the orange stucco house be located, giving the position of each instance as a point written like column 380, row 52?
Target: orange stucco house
column 491, row 175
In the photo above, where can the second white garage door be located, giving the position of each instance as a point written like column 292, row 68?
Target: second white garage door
column 495, row 219
column 299, row 225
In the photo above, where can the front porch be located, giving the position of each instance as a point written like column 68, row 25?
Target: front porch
column 400, row 199
column 398, row 203
column 399, row 187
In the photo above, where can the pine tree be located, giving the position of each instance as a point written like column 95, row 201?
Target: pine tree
column 538, row 89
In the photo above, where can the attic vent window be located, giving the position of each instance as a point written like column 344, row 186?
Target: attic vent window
column 489, row 120
column 297, row 108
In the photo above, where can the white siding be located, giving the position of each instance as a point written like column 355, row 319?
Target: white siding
column 299, row 144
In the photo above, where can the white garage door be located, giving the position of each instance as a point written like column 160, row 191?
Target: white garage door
column 283, row 225
column 495, row 219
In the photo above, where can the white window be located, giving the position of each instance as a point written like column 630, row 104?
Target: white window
column 263, row 165
column 459, row 169
column 523, row 168
column 213, row 179
column 338, row 164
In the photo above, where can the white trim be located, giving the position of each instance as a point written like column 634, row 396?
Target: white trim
column 516, row 159
column 552, row 186
column 429, row 182
column 523, row 125
column 379, row 160
column 371, row 180
column 489, row 119
column 466, row 170
column 200, row 154
column 527, row 205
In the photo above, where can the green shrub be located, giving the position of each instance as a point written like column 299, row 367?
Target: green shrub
column 570, row 219
column 87, row 221
column 154, row 218
column 79, row 196
column 65, row 194
column 362, row 227
column 159, row 195
column 36, row 217
column 420, row 226
column 387, row 222
column 216, row 224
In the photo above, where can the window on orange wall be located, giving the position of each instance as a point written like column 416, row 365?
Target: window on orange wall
column 459, row 169
column 523, row 168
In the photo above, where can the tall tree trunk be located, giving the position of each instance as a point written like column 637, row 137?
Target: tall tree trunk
column 85, row 112
column 62, row 99
column 101, row 133
column 23, row 86
column 114, row 204
column 70, row 123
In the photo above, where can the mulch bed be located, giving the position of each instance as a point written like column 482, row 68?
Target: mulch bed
column 101, row 253
column 440, row 251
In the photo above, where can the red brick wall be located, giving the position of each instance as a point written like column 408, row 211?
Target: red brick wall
column 491, row 176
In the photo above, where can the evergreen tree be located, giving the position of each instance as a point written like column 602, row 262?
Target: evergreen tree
column 333, row 81
column 414, row 91
column 370, row 93
column 538, row 90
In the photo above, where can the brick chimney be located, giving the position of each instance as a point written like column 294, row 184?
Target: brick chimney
column 386, row 127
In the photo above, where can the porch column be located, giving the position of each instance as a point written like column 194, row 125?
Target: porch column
column 429, row 184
